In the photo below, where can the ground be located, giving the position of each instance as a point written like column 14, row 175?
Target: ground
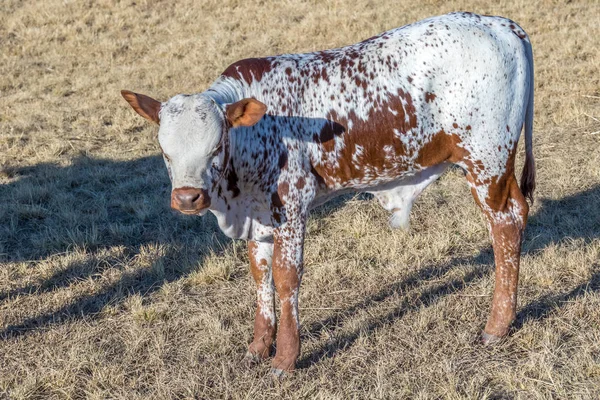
column 106, row 293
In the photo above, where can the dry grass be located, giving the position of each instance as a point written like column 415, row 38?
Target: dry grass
column 105, row 293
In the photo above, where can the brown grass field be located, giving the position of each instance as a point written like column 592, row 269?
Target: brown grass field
column 107, row 293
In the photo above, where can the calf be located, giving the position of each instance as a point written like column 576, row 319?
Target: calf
column 274, row 137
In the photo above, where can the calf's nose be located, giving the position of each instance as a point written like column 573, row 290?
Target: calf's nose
column 189, row 199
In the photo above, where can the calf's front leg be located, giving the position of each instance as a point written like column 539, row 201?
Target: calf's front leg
column 260, row 255
column 287, row 274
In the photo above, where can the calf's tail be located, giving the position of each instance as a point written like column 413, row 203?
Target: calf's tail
column 528, row 174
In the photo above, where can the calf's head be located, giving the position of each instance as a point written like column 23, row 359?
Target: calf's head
column 194, row 138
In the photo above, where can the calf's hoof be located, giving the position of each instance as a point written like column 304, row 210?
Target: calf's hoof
column 487, row 339
column 258, row 351
column 279, row 374
column 399, row 220
column 251, row 359
column 281, row 367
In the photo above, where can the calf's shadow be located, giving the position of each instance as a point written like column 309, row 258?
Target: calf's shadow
column 572, row 217
column 48, row 210
column 93, row 205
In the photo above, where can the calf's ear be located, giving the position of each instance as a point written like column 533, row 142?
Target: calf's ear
column 245, row 112
column 146, row 106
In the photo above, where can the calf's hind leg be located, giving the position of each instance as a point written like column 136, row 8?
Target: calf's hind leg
column 506, row 211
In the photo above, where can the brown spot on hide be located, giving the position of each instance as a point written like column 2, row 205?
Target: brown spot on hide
column 382, row 129
column 330, row 130
column 276, row 200
column 249, row 69
column 232, row 181
column 282, row 162
column 442, row 147
column 283, row 190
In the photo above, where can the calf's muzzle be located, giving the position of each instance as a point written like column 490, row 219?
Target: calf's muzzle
column 189, row 200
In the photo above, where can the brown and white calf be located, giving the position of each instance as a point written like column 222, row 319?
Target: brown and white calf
column 274, row 137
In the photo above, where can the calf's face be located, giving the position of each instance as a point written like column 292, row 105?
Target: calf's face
column 194, row 138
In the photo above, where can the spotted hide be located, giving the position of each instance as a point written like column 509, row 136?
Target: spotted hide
column 273, row 137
